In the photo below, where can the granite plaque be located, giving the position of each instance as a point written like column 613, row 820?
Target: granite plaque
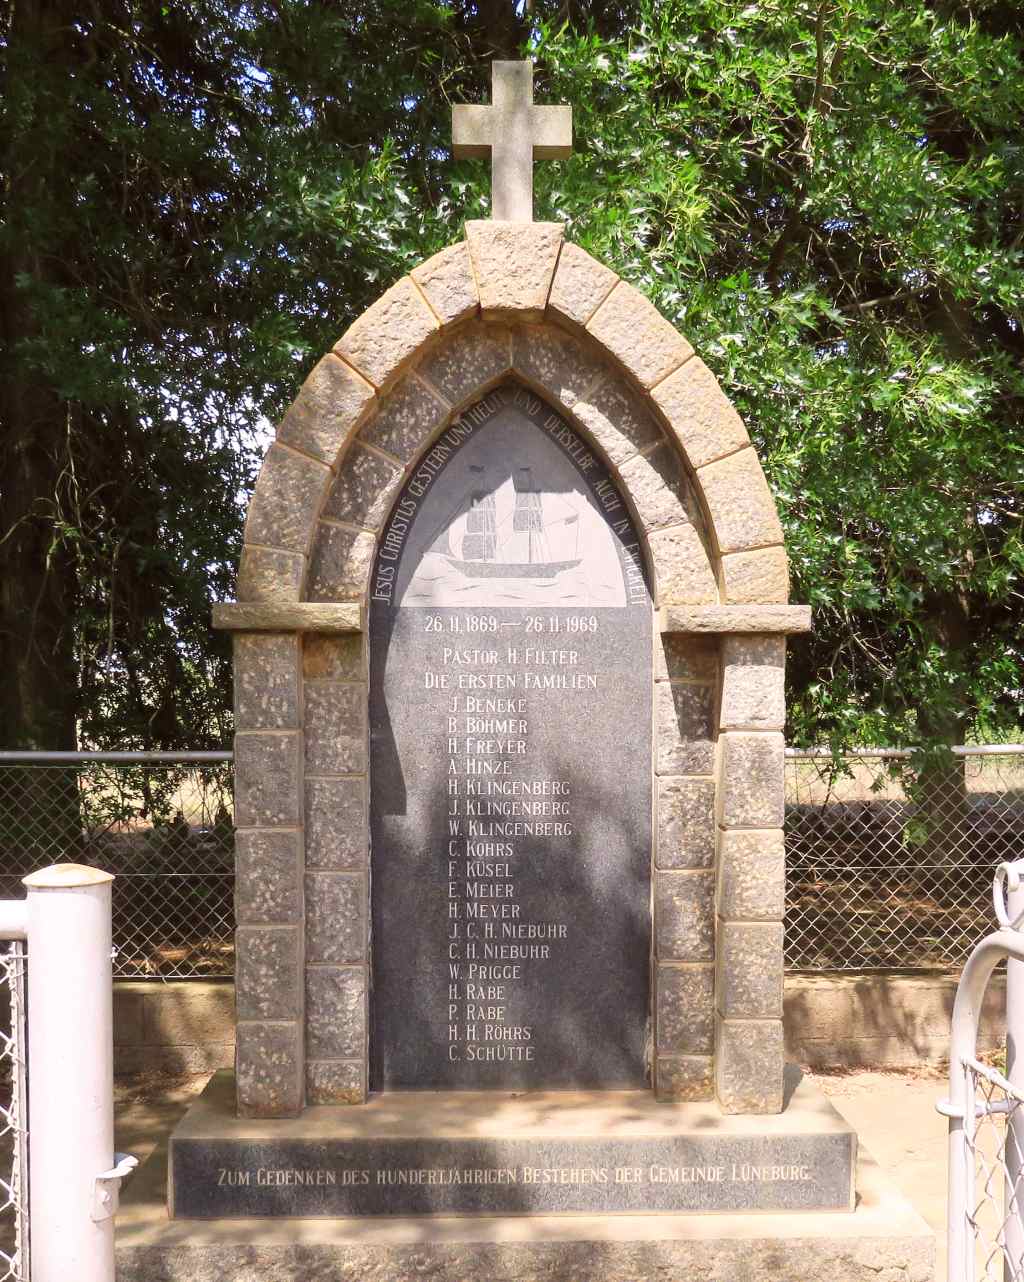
column 510, row 723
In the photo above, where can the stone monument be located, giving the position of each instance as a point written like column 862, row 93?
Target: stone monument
column 509, row 652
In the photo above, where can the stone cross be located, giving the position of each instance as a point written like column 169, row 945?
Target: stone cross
column 515, row 133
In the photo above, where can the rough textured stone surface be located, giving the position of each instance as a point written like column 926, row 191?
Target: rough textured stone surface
column 736, row 618
column 267, row 981
column 749, row 1063
column 472, row 357
column 293, row 616
column 700, row 414
column 386, row 335
column 751, row 793
column 684, row 729
column 686, row 1010
column 335, row 728
column 408, row 416
column 555, row 361
column 335, row 1081
column 740, row 503
column 268, row 877
column 335, row 1012
column 615, row 417
column 266, row 681
column 336, row 832
column 753, row 683
column 269, row 1069
column 340, row 563
column 286, row 500
column 267, row 575
column 447, row 282
column 333, row 658
column 659, row 488
column 686, row 823
column 580, row 286
column 684, row 927
column 684, row 1077
column 682, row 570
column 750, row 969
column 752, row 875
column 335, row 917
column 758, row 576
column 328, row 409
column 513, row 264
column 363, row 489
column 636, row 333
column 686, row 658
column 267, row 777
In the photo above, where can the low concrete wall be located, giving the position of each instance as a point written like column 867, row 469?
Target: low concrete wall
column 831, row 1021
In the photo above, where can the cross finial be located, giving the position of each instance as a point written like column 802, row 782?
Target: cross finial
column 515, row 133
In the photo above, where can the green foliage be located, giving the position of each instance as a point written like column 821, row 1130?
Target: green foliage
column 827, row 199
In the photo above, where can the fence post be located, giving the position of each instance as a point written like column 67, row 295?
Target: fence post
column 71, row 1072
column 1014, row 1147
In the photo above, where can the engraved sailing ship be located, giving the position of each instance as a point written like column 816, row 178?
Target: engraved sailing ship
column 515, row 548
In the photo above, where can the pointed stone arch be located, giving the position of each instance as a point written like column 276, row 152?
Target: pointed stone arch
column 511, row 301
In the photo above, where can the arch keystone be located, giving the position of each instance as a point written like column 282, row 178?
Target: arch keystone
column 514, row 264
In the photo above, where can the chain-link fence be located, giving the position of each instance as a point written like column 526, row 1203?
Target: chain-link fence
column 994, row 1205
column 160, row 822
column 889, row 866
column 13, row 1116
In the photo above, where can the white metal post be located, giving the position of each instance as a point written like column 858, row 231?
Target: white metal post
column 71, row 1073
column 1013, row 1256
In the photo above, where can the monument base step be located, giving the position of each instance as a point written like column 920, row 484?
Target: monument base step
column 496, row 1153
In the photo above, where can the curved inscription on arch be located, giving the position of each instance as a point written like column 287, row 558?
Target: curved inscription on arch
column 510, row 651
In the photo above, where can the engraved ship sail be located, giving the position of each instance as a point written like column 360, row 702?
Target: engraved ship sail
column 482, row 555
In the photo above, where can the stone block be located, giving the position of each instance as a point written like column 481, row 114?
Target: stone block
column 333, row 658
column 700, row 414
column 686, row 823
column 684, row 925
column 680, row 657
column 407, row 417
column 328, row 410
column 363, row 489
column 638, row 336
column 681, row 567
column 447, row 283
column 267, row 780
column 336, row 1081
column 336, row 831
column 266, row 681
column 513, row 264
column 659, row 488
column 268, row 877
column 684, row 1078
column 269, row 1067
column 269, row 576
column 335, row 728
column 749, row 1065
column 753, row 683
column 556, row 362
column 751, row 792
column 580, row 286
column 750, row 969
column 340, row 563
column 740, row 503
column 752, row 874
column 192, row 1014
column 471, row 358
column 617, row 420
column 685, row 1010
column 335, row 1012
column 784, row 619
column 684, row 729
column 336, row 930
column 388, row 334
column 760, row 576
column 128, row 1018
column 268, row 974
column 286, row 501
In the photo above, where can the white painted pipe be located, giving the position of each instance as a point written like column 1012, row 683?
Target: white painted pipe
column 71, row 1073
column 1013, row 1253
